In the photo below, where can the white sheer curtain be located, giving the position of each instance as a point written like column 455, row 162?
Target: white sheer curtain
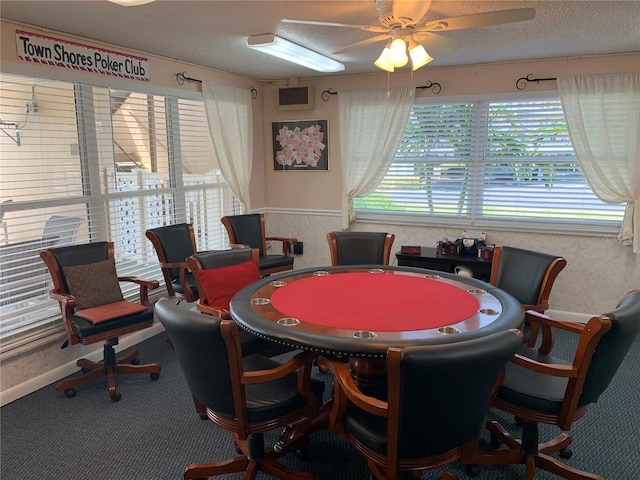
column 603, row 119
column 230, row 120
column 372, row 124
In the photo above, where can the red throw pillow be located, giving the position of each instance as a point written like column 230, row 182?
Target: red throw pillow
column 220, row 284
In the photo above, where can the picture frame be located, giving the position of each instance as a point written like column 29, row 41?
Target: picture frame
column 300, row 145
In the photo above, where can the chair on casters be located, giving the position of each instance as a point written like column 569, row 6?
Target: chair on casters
column 173, row 244
column 87, row 289
column 219, row 275
column 250, row 230
column 541, row 388
column 528, row 276
column 360, row 248
column 431, row 409
column 245, row 396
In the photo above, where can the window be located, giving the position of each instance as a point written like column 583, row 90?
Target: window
column 489, row 164
column 82, row 163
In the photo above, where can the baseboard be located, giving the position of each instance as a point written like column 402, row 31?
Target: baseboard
column 52, row 376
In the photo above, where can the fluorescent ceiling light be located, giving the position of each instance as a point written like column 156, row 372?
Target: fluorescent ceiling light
column 281, row 48
column 131, row 3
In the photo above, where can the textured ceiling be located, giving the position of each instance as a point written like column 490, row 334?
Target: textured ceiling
column 213, row 33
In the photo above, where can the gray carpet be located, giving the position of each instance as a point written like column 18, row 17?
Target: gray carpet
column 154, row 432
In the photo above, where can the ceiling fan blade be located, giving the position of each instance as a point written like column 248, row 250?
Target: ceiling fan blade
column 368, row 28
column 478, row 20
column 363, row 43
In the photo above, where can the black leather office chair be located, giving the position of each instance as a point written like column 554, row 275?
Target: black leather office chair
column 431, row 409
column 245, row 396
column 360, row 248
column 173, row 244
column 87, row 290
column 219, row 275
column 250, row 230
column 539, row 387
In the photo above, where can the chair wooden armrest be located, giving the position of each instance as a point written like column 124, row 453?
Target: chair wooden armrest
column 346, row 389
column 302, row 363
column 543, row 324
column 286, row 243
column 219, row 312
column 145, row 286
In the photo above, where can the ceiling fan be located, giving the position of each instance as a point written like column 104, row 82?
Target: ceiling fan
column 403, row 24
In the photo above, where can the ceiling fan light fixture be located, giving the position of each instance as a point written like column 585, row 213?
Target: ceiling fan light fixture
column 381, row 62
column 397, row 56
column 419, row 57
column 292, row 52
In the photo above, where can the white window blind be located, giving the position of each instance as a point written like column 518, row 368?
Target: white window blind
column 490, row 164
column 96, row 164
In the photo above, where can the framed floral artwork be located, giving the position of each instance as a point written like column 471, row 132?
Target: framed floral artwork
column 300, row 145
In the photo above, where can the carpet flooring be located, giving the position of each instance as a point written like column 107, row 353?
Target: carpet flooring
column 154, row 432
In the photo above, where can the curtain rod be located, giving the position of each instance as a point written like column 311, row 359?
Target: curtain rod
column 435, row 88
column 182, row 77
column 521, row 83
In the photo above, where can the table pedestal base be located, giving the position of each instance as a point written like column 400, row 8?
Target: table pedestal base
column 368, row 371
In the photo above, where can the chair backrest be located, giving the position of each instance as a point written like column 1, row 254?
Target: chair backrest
column 208, row 350
column 62, row 229
column 73, row 255
column 247, row 229
column 360, row 248
column 439, row 395
column 613, row 346
column 173, row 244
column 526, row 274
column 229, row 285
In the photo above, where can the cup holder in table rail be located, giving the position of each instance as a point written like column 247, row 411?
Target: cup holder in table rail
column 476, row 291
column 288, row 321
column 448, row 330
column 260, row 301
column 488, row 311
column 376, row 270
column 320, row 273
column 364, row 334
column 432, row 276
column 277, row 283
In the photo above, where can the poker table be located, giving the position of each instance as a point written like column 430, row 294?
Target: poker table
column 359, row 312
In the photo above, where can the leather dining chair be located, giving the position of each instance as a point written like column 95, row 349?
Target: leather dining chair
column 528, row 276
column 429, row 412
column 86, row 287
column 540, row 387
column 247, row 396
column 360, row 248
column 250, row 231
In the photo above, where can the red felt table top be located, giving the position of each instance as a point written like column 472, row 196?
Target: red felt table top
column 375, row 301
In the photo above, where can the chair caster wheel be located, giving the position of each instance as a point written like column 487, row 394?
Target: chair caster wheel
column 116, row 397
column 472, row 470
column 85, row 370
column 565, row 453
column 203, row 416
column 154, row 376
column 70, row 392
column 135, row 361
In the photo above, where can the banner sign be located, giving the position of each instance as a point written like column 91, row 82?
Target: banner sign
column 46, row 50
